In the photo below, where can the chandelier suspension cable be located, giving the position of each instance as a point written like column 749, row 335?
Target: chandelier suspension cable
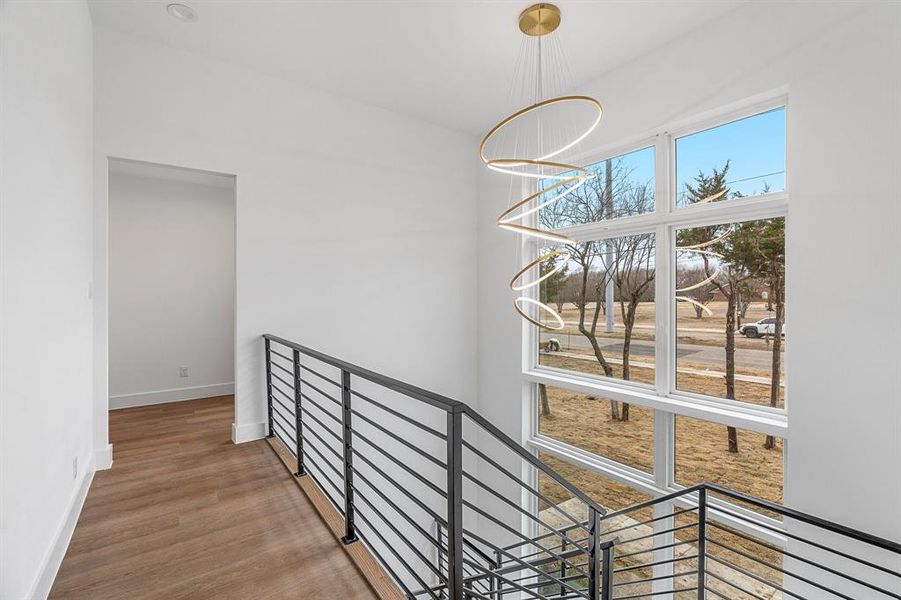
column 555, row 178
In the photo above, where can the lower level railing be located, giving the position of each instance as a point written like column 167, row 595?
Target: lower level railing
column 453, row 508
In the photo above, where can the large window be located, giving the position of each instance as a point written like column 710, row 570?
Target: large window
column 670, row 369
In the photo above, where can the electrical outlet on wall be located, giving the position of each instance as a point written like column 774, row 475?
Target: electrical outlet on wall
column 75, row 468
column 182, row 371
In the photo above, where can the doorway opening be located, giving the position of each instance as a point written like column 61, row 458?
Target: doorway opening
column 171, row 274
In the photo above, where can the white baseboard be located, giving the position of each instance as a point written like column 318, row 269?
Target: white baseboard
column 248, row 432
column 103, row 459
column 173, row 395
column 54, row 557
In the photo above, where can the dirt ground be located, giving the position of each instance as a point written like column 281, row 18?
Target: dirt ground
column 701, row 447
column 745, row 391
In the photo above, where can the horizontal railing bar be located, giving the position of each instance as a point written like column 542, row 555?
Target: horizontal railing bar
column 334, row 452
column 767, row 582
column 288, row 425
column 325, row 476
column 521, row 483
column 515, row 559
column 399, row 463
column 316, row 479
column 560, row 547
column 435, row 542
column 806, row 541
column 526, row 513
column 283, row 407
column 402, row 489
column 289, row 435
column 402, row 537
column 530, row 458
column 657, row 578
column 287, row 445
column 277, row 353
column 385, row 564
column 655, row 519
column 406, row 389
column 664, row 547
column 654, row 563
column 654, row 501
column 796, row 557
column 854, row 534
column 287, row 384
column 397, row 438
column 306, row 411
column 320, row 375
column 513, row 584
column 470, row 548
column 555, row 557
column 675, row 590
column 336, row 503
column 400, row 415
column 279, row 365
column 796, row 576
column 396, row 554
column 569, row 528
column 324, row 394
column 320, row 408
column 289, row 397
column 655, row 534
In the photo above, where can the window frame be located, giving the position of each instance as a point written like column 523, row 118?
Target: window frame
column 663, row 396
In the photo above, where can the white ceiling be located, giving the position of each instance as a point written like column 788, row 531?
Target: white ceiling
column 138, row 168
column 449, row 62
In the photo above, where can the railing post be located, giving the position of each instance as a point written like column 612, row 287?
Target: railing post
column 500, row 582
column 298, row 425
column 562, row 567
column 702, row 543
column 269, row 386
column 607, row 567
column 455, row 505
column 350, row 532
column 593, row 555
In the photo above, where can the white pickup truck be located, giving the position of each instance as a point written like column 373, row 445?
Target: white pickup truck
column 760, row 328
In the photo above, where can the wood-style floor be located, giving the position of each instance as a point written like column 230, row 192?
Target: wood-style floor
column 184, row 513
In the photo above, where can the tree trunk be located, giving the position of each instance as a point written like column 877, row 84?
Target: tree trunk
column 732, row 434
column 628, row 326
column 730, row 362
column 614, row 410
column 699, row 312
column 590, row 334
column 779, row 305
column 542, row 395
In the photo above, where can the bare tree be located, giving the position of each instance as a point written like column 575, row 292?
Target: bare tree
column 633, row 277
column 761, row 248
column 730, row 273
column 612, row 194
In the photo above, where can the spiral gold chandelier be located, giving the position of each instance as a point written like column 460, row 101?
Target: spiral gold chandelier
column 522, row 144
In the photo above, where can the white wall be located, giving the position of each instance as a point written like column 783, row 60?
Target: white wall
column 171, row 286
column 45, row 272
column 355, row 225
column 840, row 64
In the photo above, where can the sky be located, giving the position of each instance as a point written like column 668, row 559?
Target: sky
column 755, row 147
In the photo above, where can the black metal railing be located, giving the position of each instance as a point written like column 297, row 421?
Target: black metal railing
column 453, row 508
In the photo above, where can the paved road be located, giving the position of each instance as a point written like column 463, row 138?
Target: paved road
column 708, row 356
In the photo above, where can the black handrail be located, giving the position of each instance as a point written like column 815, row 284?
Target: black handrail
column 436, row 400
column 543, row 560
column 444, row 403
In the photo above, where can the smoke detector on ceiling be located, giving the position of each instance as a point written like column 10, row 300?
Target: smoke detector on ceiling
column 182, row 12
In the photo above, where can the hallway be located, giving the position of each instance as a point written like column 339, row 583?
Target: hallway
column 184, row 513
